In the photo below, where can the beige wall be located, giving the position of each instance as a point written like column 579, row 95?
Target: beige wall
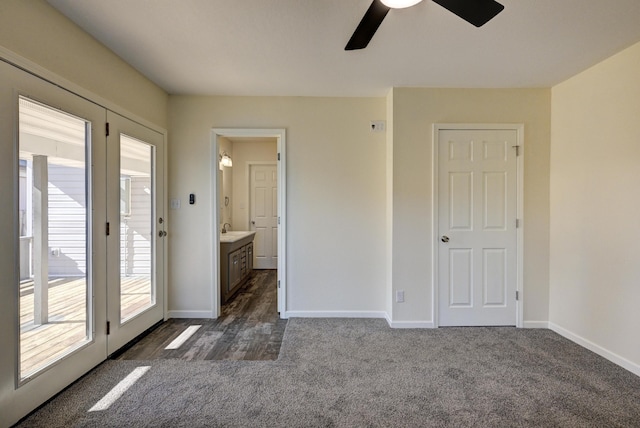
column 595, row 209
column 39, row 33
column 347, row 186
column 335, row 196
column 415, row 111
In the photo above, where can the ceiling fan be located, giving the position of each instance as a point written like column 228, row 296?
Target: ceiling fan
column 476, row 12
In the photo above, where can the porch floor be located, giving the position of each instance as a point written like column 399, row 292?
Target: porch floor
column 66, row 328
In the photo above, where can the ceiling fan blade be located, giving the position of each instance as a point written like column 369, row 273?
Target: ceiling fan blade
column 368, row 26
column 476, row 12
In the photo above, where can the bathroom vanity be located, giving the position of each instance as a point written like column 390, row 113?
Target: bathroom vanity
column 236, row 261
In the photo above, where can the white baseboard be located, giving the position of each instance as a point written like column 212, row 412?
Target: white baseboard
column 335, row 314
column 411, row 324
column 614, row 358
column 535, row 324
column 360, row 314
column 189, row 314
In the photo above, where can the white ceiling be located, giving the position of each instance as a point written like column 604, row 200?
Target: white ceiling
column 296, row 47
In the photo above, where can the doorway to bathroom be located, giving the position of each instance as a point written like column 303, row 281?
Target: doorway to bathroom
column 248, row 172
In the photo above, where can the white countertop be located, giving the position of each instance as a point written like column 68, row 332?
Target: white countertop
column 235, row 235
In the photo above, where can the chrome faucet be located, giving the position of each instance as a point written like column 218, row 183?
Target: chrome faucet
column 224, row 230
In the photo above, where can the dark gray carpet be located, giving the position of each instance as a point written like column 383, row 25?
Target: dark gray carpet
column 361, row 373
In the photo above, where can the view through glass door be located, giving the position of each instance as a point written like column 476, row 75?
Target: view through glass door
column 54, row 228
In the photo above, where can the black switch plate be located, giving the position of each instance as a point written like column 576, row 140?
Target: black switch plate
column 192, row 198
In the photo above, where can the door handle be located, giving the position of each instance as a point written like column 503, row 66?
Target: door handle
column 444, row 238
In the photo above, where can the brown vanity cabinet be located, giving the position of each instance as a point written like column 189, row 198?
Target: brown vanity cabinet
column 236, row 265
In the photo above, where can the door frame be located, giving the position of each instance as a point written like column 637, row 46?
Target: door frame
column 519, row 128
column 280, row 135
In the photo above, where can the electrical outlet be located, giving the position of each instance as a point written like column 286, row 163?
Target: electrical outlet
column 400, row 296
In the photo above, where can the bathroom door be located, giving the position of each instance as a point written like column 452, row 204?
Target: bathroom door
column 264, row 215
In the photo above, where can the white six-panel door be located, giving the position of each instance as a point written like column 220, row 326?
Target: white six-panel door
column 264, row 215
column 477, row 208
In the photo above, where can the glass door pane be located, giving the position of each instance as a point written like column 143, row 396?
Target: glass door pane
column 137, row 189
column 54, row 226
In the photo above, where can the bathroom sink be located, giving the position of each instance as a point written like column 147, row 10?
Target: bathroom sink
column 235, row 235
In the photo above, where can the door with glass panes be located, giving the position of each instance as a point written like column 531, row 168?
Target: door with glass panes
column 136, row 229
column 86, row 258
column 54, row 305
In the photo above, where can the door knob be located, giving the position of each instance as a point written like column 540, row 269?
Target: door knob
column 444, row 238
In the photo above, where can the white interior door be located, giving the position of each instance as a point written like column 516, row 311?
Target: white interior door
column 477, row 207
column 264, row 215
column 135, row 212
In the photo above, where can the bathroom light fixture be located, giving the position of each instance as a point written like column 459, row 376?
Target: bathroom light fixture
column 225, row 160
column 400, row 4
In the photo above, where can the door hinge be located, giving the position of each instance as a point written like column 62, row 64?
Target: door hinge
column 278, row 219
column 108, row 327
column 278, row 283
column 517, row 223
column 107, row 229
column 278, row 156
column 517, row 295
column 107, row 129
column 517, row 150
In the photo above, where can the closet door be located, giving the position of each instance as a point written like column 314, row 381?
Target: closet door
column 53, row 246
column 135, row 212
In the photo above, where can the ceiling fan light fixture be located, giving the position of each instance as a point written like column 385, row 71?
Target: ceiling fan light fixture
column 400, row 4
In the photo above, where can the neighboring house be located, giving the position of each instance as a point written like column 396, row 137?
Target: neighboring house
column 360, row 208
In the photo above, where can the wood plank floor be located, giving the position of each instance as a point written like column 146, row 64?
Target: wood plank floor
column 249, row 328
column 66, row 329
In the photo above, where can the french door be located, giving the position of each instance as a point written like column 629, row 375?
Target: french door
column 135, row 217
column 82, row 261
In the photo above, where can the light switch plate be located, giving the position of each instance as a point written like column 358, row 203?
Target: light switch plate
column 378, row 126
